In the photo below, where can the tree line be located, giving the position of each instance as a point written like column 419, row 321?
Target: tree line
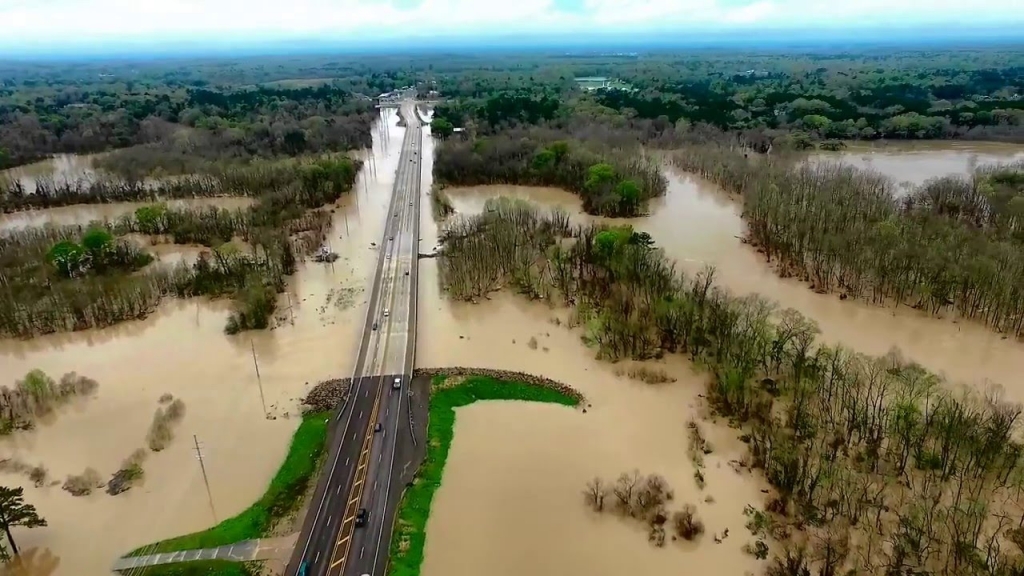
column 610, row 182
column 235, row 124
column 78, row 277
column 876, row 463
column 953, row 245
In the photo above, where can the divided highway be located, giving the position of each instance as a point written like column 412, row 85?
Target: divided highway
column 366, row 433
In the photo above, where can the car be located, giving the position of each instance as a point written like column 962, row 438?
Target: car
column 374, row 325
column 303, row 568
column 386, row 312
column 397, row 384
column 396, row 214
column 361, row 517
column 410, row 203
column 406, row 272
column 378, row 427
column 391, row 238
column 387, row 256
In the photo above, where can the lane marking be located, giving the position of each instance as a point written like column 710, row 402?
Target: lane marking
column 347, row 458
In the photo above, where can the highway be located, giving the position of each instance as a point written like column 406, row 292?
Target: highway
column 371, row 432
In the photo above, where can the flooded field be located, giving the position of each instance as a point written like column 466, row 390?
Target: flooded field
column 81, row 215
column 915, row 162
column 697, row 225
column 517, row 469
column 182, row 350
column 60, row 167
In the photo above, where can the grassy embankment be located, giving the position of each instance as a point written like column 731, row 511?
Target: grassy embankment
column 409, row 538
column 282, row 497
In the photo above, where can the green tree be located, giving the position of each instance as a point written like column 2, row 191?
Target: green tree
column 67, row 256
column 15, row 512
column 600, row 177
column 441, row 128
column 543, row 160
column 629, row 196
column 97, row 241
column 150, row 218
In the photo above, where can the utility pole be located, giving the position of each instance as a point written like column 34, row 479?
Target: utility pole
column 259, row 380
column 206, row 479
column 291, row 312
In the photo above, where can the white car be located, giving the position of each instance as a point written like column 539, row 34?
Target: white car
column 397, row 384
column 386, row 312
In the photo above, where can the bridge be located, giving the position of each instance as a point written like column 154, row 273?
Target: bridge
column 372, row 431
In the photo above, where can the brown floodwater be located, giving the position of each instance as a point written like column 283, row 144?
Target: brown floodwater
column 518, row 469
column 84, row 214
column 61, row 167
column 912, row 163
column 511, row 498
column 511, row 501
column 182, row 350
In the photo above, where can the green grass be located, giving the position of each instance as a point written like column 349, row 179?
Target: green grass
column 281, row 498
column 198, row 568
column 410, row 536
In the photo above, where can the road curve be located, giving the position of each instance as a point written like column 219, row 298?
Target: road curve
column 360, row 471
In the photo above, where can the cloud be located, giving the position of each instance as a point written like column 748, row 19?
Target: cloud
column 41, row 21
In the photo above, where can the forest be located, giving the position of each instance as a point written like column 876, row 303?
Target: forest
column 798, row 98
column 875, row 462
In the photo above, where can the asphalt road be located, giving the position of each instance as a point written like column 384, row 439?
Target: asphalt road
column 361, row 471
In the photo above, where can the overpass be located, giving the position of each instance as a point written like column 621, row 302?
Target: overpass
column 372, row 430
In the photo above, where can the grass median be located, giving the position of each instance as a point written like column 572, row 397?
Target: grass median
column 410, row 536
column 282, row 497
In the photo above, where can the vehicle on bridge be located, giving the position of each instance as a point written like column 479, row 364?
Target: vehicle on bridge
column 397, row 384
column 386, row 313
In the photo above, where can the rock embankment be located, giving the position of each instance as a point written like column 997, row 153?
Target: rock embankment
column 508, row 375
column 326, row 395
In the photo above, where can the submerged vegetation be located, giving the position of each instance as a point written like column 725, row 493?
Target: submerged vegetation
column 73, row 278
column 37, row 395
column 875, row 456
column 953, row 245
column 409, row 538
column 283, row 495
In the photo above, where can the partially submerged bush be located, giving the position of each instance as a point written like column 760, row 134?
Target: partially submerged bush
column 83, row 484
column 686, row 523
column 161, row 431
column 131, row 472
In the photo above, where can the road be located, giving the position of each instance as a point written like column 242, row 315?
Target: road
column 360, row 471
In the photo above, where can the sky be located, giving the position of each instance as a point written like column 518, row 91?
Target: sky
column 49, row 23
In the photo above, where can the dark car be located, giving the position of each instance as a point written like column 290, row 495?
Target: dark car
column 361, row 517
column 304, row 568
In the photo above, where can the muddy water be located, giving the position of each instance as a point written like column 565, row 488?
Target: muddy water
column 80, row 215
column 518, row 469
column 182, row 350
column 696, row 226
column 60, row 167
column 914, row 163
